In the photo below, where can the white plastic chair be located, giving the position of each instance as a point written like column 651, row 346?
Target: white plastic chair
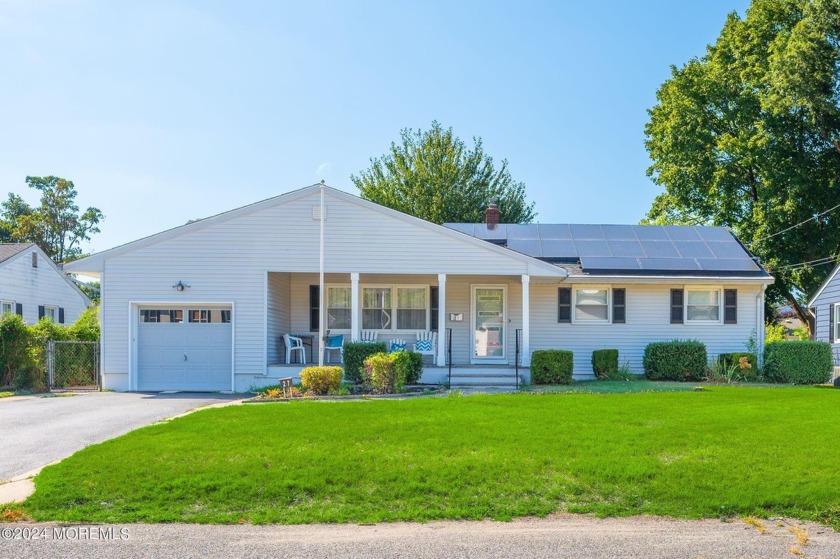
column 330, row 346
column 369, row 336
column 294, row 344
column 429, row 337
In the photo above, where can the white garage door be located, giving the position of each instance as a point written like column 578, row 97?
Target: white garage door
column 184, row 348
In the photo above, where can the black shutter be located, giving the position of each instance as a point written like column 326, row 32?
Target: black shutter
column 619, row 311
column 40, row 312
column 19, row 309
column 730, row 306
column 314, row 308
column 61, row 315
column 676, row 306
column 434, row 294
column 831, row 321
column 564, row 304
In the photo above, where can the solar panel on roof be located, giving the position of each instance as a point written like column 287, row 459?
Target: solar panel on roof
column 728, row 264
column 669, row 264
column 484, row 232
column 592, row 248
column 659, row 249
column 618, row 232
column 682, row 233
column 558, row 248
column 468, row 228
column 589, row 263
column 651, row 233
column 626, row 248
column 715, row 233
column 523, row 232
column 554, row 231
column 727, row 250
column 531, row 247
column 586, row 232
column 693, row 249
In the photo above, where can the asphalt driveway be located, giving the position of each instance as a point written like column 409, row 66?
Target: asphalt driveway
column 40, row 430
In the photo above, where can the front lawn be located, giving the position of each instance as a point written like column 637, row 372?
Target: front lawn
column 720, row 452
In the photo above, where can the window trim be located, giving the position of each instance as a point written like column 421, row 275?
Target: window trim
column 687, row 289
column 11, row 306
column 54, row 309
column 326, row 312
column 394, row 305
column 395, row 299
column 835, row 320
column 608, row 289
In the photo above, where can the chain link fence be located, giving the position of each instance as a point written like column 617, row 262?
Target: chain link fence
column 73, row 365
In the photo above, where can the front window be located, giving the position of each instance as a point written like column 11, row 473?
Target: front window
column 592, row 305
column 338, row 308
column 51, row 313
column 376, row 308
column 836, row 324
column 7, row 307
column 411, row 308
column 703, row 305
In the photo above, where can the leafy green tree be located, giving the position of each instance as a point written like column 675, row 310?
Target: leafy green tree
column 748, row 136
column 56, row 224
column 433, row 175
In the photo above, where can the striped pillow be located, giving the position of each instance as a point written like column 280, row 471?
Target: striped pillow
column 424, row 345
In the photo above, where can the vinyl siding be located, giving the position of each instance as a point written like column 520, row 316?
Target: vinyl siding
column 648, row 320
column 31, row 287
column 822, row 305
column 279, row 313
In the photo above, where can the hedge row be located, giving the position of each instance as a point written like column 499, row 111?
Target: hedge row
column 798, row 362
column 23, row 347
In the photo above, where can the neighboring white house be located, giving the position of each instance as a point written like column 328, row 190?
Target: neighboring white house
column 32, row 286
column 204, row 306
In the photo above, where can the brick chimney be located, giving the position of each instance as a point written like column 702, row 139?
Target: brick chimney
column 492, row 214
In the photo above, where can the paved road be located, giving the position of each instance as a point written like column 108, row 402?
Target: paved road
column 556, row 537
column 40, row 430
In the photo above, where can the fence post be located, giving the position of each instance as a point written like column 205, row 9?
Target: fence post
column 50, row 364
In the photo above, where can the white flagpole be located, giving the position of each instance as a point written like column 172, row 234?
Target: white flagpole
column 322, row 304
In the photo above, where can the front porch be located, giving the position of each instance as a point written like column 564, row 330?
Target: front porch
column 479, row 322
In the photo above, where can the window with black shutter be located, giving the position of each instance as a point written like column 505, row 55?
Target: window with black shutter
column 564, row 304
column 832, row 320
column 676, row 306
column 61, row 315
column 619, row 312
column 19, row 309
column 40, row 312
column 730, row 306
column 314, row 308
column 433, row 306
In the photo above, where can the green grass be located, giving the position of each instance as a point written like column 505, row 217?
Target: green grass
column 611, row 387
column 724, row 451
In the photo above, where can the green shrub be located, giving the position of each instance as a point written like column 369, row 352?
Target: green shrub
column 320, row 380
column 774, row 333
column 798, row 362
column 15, row 350
column 552, row 366
column 604, row 362
column 746, row 364
column 623, row 373
column 412, row 365
column 681, row 360
column 355, row 354
column 86, row 328
column 382, row 373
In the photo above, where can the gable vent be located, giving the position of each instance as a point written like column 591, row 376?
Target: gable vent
column 316, row 213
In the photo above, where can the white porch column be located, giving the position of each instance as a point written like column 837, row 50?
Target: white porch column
column 441, row 345
column 354, row 307
column 526, row 320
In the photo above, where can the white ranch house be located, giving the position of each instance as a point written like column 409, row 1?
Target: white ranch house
column 205, row 306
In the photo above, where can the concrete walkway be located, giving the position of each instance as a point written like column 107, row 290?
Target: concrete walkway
column 556, row 537
column 40, row 430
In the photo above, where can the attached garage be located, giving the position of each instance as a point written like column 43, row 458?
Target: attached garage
column 184, row 348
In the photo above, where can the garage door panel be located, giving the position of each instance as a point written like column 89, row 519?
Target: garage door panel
column 161, row 348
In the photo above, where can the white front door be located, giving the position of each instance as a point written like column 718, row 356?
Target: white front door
column 489, row 323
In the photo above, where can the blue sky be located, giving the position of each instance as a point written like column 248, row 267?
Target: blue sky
column 166, row 111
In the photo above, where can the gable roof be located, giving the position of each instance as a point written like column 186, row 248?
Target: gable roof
column 8, row 250
column 638, row 250
column 93, row 263
column 823, row 285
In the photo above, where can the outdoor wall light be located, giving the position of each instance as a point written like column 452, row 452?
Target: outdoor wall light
column 180, row 286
